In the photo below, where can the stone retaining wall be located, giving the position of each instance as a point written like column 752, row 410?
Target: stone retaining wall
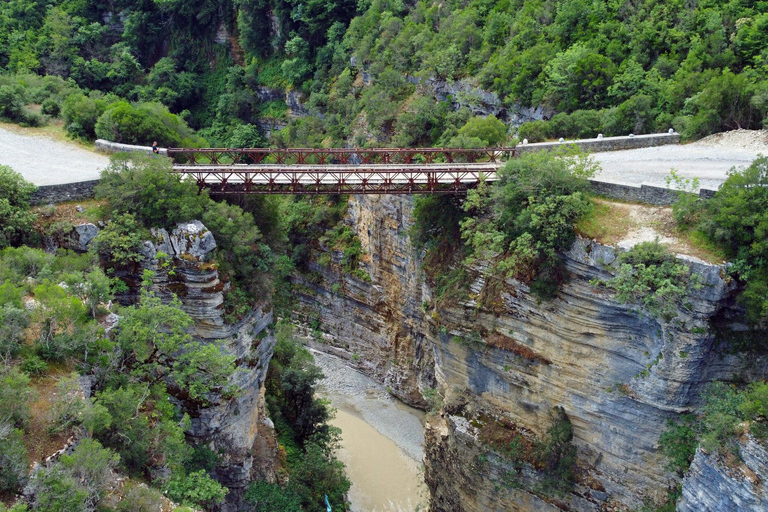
column 47, row 194
column 115, row 147
column 605, row 144
column 649, row 194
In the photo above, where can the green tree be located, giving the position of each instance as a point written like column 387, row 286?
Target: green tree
column 16, row 395
column 489, row 130
column 196, row 489
column 146, row 188
column 13, row 459
column 15, row 218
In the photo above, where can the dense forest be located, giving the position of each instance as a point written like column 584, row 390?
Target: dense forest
column 382, row 72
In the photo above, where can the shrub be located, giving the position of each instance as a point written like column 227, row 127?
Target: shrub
column 13, row 324
column 11, row 104
column 265, row 497
column 534, row 131
column 240, row 250
column 15, row 396
column 33, row 365
column 196, row 489
column 142, row 124
column 13, row 459
column 141, row 498
column 81, row 112
column 50, row 107
column 737, row 219
column 489, row 130
column 119, row 242
column 650, row 275
column 16, row 221
column 679, row 441
column 688, row 207
column 529, row 219
column 246, row 136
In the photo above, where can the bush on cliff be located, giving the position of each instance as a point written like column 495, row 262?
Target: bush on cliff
column 728, row 413
column 527, row 219
column 650, row 275
column 736, row 220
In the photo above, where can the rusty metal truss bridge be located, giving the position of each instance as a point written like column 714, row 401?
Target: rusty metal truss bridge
column 340, row 171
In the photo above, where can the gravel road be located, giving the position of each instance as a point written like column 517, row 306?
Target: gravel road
column 709, row 159
column 45, row 161
column 357, row 394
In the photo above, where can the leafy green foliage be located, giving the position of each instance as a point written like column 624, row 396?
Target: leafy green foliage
column 15, row 218
column 145, row 187
column 679, row 442
column 15, row 396
column 300, row 419
column 78, row 481
column 727, row 413
column 650, row 275
column 143, row 124
column 196, row 489
column 489, row 130
column 155, row 344
column 265, row 497
column 528, row 220
column 13, row 459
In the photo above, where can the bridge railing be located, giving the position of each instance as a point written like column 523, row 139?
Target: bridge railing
column 337, row 156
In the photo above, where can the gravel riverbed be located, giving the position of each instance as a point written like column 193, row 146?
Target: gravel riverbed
column 357, row 394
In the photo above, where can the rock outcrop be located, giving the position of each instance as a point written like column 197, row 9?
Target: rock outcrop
column 231, row 426
column 714, row 484
column 618, row 373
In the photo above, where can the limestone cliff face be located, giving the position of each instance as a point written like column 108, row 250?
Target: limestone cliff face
column 377, row 326
column 717, row 485
column 231, row 427
column 618, row 373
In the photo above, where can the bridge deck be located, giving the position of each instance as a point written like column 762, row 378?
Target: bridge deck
column 340, row 178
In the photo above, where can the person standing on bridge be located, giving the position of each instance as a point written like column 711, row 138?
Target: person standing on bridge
column 155, row 149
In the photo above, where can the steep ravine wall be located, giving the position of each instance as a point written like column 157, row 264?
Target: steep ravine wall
column 377, row 327
column 618, row 374
column 238, row 428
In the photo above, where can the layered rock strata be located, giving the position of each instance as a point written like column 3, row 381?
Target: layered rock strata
column 377, row 326
column 718, row 485
column 236, row 428
column 619, row 373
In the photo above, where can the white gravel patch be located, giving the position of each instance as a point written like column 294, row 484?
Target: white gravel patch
column 358, row 394
column 45, row 161
column 708, row 159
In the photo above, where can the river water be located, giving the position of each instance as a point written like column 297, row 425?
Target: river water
column 382, row 441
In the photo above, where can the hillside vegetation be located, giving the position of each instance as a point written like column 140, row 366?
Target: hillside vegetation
column 143, row 71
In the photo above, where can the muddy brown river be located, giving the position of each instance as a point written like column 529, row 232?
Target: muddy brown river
column 382, row 440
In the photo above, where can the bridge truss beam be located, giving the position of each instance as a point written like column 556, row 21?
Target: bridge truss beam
column 340, row 179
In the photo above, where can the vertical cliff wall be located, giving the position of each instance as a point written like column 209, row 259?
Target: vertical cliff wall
column 377, row 326
column 237, row 428
column 618, row 373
